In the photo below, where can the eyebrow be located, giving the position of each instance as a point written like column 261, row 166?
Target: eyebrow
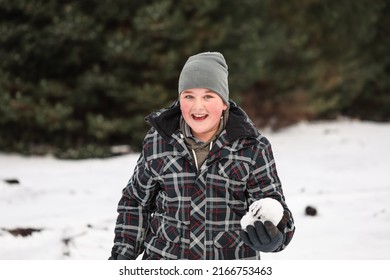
column 190, row 91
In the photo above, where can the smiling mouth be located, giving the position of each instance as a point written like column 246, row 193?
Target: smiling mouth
column 199, row 117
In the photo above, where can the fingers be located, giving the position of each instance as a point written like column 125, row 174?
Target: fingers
column 252, row 234
column 262, row 233
column 262, row 237
column 271, row 229
column 275, row 235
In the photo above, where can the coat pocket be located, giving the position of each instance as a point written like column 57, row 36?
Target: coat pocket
column 165, row 231
column 235, row 176
column 235, row 171
column 227, row 239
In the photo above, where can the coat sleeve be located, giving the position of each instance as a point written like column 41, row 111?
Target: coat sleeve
column 264, row 182
column 134, row 211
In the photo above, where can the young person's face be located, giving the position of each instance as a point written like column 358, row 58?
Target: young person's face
column 202, row 110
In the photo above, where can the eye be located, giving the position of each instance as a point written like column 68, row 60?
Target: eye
column 188, row 96
column 208, row 97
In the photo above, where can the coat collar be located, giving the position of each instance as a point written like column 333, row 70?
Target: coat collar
column 167, row 122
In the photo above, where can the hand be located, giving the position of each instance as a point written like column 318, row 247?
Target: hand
column 262, row 237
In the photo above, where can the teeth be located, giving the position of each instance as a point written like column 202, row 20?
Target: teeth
column 199, row 117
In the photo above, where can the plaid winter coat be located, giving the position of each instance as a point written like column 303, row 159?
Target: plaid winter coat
column 174, row 211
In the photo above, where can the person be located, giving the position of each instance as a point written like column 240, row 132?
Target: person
column 203, row 163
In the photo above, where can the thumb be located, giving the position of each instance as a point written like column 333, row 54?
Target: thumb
column 283, row 222
column 271, row 229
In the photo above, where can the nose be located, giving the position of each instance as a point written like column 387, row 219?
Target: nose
column 198, row 104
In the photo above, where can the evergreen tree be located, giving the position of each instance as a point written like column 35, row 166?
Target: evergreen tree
column 78, row 77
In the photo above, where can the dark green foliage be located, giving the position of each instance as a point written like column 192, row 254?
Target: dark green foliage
column 322, row 59
column 78, row 77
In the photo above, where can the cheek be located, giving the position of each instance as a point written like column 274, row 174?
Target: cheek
column 183, row 105
column 185, row 108
column 215, row 111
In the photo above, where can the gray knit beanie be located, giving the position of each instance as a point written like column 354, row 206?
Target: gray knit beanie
column 206, row 70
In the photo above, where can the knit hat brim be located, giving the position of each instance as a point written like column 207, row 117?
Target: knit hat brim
column 206, row 70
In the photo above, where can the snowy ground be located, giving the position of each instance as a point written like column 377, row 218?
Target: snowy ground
column 341, row 168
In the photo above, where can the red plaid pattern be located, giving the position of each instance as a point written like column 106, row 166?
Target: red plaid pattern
column 172, row 211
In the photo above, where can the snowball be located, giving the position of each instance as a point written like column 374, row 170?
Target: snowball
column 266, row 209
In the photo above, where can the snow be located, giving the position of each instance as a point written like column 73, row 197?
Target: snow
column 266, row 209
column 340, row 167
